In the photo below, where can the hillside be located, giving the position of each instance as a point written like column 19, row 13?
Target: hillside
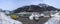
column 35, row 8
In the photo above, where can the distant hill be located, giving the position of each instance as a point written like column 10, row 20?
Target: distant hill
column 35, row 8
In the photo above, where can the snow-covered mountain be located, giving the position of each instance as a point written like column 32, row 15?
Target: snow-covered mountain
column 35, row 8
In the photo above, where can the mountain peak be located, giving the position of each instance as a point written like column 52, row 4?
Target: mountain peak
column 35, row 8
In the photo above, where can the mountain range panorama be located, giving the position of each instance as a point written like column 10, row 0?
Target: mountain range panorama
column 35, row 8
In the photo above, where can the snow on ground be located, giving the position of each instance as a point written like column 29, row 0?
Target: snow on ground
column 54, row 20
column 6, row 20
column 34, row 15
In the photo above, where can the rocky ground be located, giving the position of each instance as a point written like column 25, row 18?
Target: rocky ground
column 25, row 20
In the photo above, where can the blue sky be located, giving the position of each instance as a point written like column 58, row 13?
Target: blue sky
column 14, row 4
column 55, row 3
